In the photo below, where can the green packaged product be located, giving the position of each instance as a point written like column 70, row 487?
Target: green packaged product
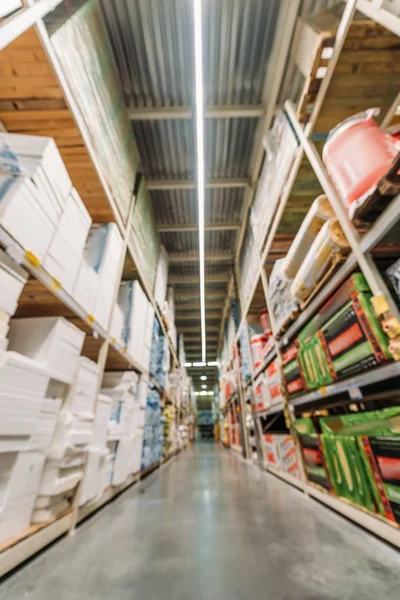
column 313, row 455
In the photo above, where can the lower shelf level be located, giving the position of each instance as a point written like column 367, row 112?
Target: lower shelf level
column 373, row 523
column 39, row 536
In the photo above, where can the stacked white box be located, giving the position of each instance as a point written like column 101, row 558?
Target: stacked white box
column 22, row 216
column 122, row 464
column 70, row 433
column 96, row 475
column 103, row 251
column 101, row 421
column 19, row 487
column 121, row 387
column 12, row 281
column 38, row 158
column 81, row 398
column 51, row 341
column 148, row 336
column 23, row 385
column 56, row 481
column 160, row 289
column 50, row 511
column 134, row 305
column 65, row 254
column 48, row 417
column 86, row 286
column 34, row 186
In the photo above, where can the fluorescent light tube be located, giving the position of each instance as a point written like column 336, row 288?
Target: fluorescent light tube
column 198, row 56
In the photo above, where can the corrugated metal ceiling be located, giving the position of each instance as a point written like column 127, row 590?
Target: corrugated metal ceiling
column 152, row 41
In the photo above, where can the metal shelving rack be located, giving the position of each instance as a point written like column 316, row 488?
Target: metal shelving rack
column 38, row 537
column 360, row 254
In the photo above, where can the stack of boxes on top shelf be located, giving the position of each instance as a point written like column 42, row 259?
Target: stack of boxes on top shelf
column 45, row 216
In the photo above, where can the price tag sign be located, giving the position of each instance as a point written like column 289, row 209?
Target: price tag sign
column 355, row 394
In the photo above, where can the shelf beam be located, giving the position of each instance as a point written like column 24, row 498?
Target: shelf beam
column 374, row 11
column 181, row 279
column 157, row 113
column 190, row 184
column 177, row 257
column 194, row 227
column 15, row 25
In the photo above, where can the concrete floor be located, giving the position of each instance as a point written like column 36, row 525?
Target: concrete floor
column 207, row 526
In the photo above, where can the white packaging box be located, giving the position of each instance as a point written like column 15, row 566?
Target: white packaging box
column 8, row 6
column 47, row 421
column 62, row 263
column 51, row 341
column 65, row 254
column 101, row 420
column 121, row 381
column 75, row 457
column 33, row 152
column 19, row 499
column 160, row 289
column 134, row 304
column 70, row 432
column 106, row 463
column 82, row 394
column 117, row 323
column 90, row 484
column 142, row 391
column 75, row 223
column 12, row 281
column 103, row 251
column 23, row 385
column 23, row 218
column 136, row 460
column 86, row 287
column 123, row 455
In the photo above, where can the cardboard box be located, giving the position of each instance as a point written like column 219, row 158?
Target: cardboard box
column 101, row 421
column 292, row 371
column 56, row 481
column 272, row 454
column 261, row 393
column 81, row 398
column 313, row 455
column 53, row 342
column 48, row 417
column 273, row 376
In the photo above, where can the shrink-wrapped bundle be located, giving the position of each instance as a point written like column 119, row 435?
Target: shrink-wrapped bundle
column 326, row 247
column 318, row 214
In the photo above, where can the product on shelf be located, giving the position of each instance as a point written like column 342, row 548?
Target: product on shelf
column 284, row 306
column 393, row 272
column 160, row 289
column 102, row 253
column 344, row 338
column 368, row 447
column 280, row 148
column 20, row 475
column 138, row 321
column 313, row 455
column 65, row 254
column 320, row 212
column 261, row 393
column 273, row 375
column 272, row 450
column 82, row 393
column 281, row 453
column 12, row 281
column 9, row 6
column 265, row 322
column 292, row 371
column 53, row 342
column 357, row 154
column 258, row 343
column 324, row 252
column 25, row 381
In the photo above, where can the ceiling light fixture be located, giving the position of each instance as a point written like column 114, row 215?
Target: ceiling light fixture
column 198, row 56
column 204, row 386
column 203, row 378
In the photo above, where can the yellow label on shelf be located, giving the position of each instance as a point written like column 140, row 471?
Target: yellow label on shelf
column 113, row 341
column 32, row 258
column 380, row 305
column 323, row 391
column 55, row 285
column 90, row 319
column 124, row 350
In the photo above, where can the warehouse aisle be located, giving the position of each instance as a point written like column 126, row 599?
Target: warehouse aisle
column 209, row 527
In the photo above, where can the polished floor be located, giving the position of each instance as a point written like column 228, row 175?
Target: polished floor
column 207, row 526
